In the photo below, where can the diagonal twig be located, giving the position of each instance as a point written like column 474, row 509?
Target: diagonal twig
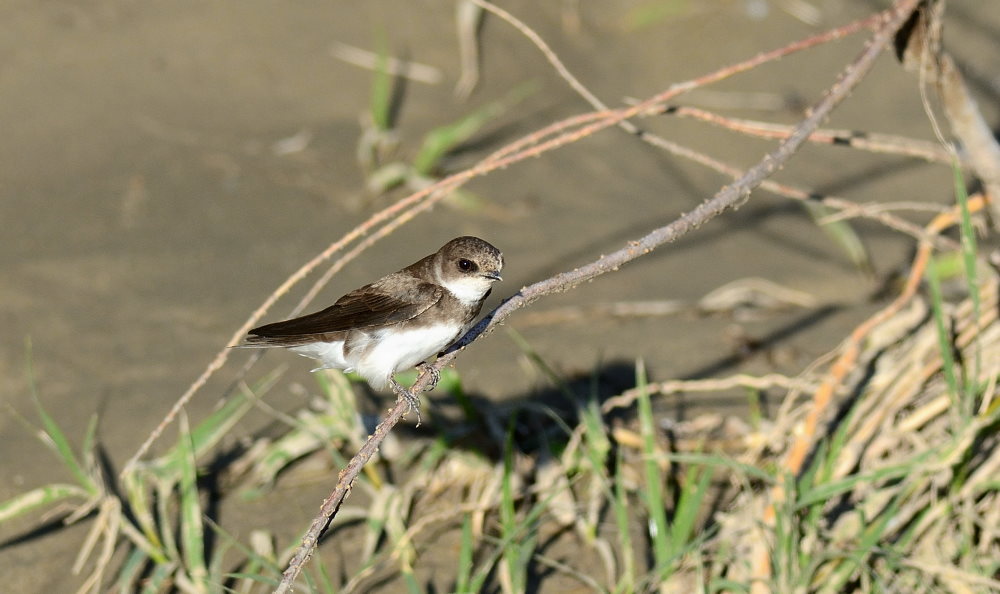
column 729, row 196
column 553, row 136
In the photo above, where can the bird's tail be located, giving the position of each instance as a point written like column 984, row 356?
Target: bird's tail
column 255, row 341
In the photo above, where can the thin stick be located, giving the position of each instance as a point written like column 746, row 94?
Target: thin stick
column 332, row 503
column 867, row 141
column 727, row 197
column 880, row 143
column 530, row 146
column 674, row 90
column 796, row 193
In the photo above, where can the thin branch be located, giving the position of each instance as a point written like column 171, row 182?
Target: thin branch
column 867, row 141
column 797, row 193
column 874, row 142
column 677, row 89
column 727, row 197
column 529, row 146
column 332, row 503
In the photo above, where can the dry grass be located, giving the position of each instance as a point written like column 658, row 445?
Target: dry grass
column 877, row 474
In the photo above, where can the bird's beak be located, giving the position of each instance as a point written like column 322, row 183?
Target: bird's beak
column 493, row 275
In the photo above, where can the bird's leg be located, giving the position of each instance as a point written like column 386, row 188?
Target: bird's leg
column 426, row 367
column 408, row 396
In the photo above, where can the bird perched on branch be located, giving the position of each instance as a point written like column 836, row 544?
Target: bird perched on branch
column 398, row 321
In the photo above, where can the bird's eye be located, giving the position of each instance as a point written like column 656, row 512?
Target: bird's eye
column 466, row 265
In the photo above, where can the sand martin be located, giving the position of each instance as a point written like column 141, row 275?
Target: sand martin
column 398, row 321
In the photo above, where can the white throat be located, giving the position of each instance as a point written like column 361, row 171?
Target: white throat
column 468, row 290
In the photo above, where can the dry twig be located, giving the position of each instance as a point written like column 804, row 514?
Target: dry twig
column 867, row 141
column 880, row 143
column 549, row 138
column 733, row 194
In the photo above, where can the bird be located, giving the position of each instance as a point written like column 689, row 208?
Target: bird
column 396, row 322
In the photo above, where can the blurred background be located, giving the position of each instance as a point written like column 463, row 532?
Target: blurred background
column 165, row 166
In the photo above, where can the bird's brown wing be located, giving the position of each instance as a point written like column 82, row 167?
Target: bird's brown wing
column 394, row 299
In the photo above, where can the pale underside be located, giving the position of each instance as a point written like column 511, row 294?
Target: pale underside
column 378, row 354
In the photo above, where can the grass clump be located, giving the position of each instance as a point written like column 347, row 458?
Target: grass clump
column 899, row 491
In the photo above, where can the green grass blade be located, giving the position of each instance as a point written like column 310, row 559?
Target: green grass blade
column 465, row 552
column 325, row 581
column 40, row 497
column 540, row 364
column 202, row 438
column 166, row 514
column 943, row 329
column 728, row 586
column 260, row 566
column 842, row 233
column 412, row 586
column 870, row 537
column 440, row 141
column 508, row 513
column 656, row 507
column 785, row 558
column 158, row 579
column 136, row 494
column 808, row 524
column 969, row 253
column 451, row 384
column 596, row 444
column 507, row 542
column 216, row 567
column 620, row 505
column 691, row 499
column 381, row 95
column 90, row 442
column 722, row 462
column 131, row 570
column 825, row 491
column 55, row 438
column 251, row 576
column 438, row 450
column 192, row 531
column 478, row 582
column 653, row 12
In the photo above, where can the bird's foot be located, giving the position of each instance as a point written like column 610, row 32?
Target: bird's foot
column 411, row 399
column 434, row 372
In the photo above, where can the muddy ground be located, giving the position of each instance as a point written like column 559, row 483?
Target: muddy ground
column 147, row 210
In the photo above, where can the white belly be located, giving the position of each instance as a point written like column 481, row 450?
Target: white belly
column 378, row 356
column 391, row 352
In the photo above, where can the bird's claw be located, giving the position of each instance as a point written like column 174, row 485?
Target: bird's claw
column 434, row 372
column 411, row 399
